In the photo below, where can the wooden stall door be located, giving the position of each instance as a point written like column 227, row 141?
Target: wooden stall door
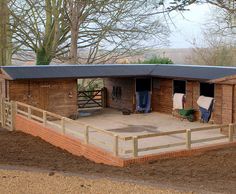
column 44, row 95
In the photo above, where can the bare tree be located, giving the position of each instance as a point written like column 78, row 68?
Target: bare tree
column 218, row 44
column 5, row 34
column 100, row 30
column 41, row 27
column 228, row 5
column 109, row 29
column 212, row 50
column 82, row 31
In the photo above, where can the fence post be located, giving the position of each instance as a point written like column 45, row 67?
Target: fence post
column 116, row 145
column 29, row 112
column 231, row 132
column 188, row 139
column 44, row 118
column 86, row 134
column 63, row 125
column 13, row 115
column 2, row 112
column 135, row 146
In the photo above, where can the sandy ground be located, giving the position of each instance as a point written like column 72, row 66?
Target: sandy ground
column 213, row 172
column 21, row 182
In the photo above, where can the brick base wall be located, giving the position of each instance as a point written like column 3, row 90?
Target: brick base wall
column 73, row 146
column 176, row 154
column 97, row 155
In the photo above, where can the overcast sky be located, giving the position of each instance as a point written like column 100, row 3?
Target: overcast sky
column 189, row 27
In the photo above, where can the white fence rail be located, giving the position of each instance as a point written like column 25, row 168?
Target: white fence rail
column 66, row 126
column 102, row 138
column 6, row 113
column 188, row 138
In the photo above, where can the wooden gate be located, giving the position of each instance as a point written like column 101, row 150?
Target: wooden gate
column 92, row 99
column 6, row 114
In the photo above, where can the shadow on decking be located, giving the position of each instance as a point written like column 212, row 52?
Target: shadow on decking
column 135, row 129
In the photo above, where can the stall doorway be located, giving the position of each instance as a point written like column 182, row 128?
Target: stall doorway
column 143, row 84
column 207, row 89
column 179, row 86
column 143, row 94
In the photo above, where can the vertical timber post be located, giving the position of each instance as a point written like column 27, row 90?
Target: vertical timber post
column 86, row 134
column 135, row 146
column 29, row 112
column 63, row 125
column 116, row 145
column 44, row 118
column 1, row 111
column 231, row 132
column 13, row 115
column 188, row 139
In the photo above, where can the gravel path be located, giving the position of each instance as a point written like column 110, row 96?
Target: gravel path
column 21, row 182
column 214, row 171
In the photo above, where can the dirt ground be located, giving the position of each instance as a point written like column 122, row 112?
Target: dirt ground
column 214, row 172
column 21, row 182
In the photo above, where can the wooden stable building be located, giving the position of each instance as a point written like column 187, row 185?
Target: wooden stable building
column 54, row 88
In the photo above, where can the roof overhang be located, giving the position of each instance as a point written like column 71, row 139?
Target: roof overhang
column 172, row 71
column 4, row 75
column 231, row 80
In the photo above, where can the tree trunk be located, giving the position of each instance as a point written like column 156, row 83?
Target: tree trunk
column 74, row 9
column 42, row 57
column 47, row 51
column 74, row 46
column 5, row 35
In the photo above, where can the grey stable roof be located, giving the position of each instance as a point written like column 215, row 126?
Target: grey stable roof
column 190, row 72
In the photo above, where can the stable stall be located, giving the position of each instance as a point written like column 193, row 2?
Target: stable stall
column 128, row 86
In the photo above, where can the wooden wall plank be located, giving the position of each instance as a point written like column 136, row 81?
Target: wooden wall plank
column 51, row 95
column 217, row 112
column 162, row 96
column 227, row 103
column 127, row 93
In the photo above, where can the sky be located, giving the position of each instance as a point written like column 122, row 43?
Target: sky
column 188, row 26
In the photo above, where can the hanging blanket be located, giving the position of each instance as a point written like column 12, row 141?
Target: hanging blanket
column 178, row 101
column 206, row 114
column 143, row 101
column 205, row 102
column 205, row 106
